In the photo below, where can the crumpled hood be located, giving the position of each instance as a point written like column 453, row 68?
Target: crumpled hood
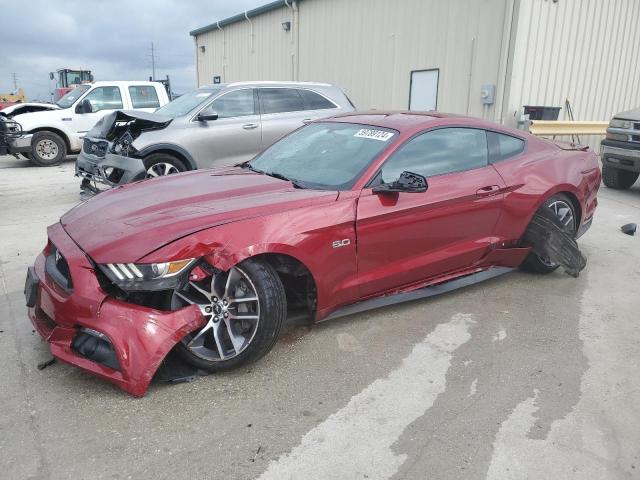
column 22, row 108
column 143, row 121
column 129, row 222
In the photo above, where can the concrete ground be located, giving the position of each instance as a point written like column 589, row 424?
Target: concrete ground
column 521, row 377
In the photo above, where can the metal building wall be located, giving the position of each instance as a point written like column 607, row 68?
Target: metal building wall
column 254, row 49
column 370, row 47
column 582, row 50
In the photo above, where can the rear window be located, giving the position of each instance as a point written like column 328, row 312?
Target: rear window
column 143, row 96
column 280, row 100
column 315, row 101
column 504, row 146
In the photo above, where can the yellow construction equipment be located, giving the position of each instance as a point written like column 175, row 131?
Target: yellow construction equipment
column 12, row 97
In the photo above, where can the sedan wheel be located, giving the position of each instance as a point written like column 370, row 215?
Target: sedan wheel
column 232, row 310
column 243, row 310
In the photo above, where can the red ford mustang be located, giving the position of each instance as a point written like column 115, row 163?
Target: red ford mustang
column 344, row 214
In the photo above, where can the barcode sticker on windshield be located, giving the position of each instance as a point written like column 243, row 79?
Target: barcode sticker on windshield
column 374, row 134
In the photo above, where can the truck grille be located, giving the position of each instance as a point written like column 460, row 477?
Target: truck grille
column 97, row 148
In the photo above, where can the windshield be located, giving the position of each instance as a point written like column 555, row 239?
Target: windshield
column 187, row 102
column 71, row 97
column 327, row 156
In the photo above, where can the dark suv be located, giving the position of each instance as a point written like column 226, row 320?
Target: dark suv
column 620, row 151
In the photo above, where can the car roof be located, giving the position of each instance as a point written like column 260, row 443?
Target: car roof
column 412, row 121
column 265, row 83
column 122, row 83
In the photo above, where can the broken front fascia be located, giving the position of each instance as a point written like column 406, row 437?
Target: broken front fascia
column 119, row 129
column 102, row 170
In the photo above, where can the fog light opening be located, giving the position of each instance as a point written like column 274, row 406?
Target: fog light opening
column 96, row 347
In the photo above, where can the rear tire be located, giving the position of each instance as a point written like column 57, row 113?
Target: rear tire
column 617, row 178
column 559, row 203
column 162, row 164
column 47, row 149
column 254, row 289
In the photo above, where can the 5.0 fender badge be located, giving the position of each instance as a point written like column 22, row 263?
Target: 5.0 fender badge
column 341, row 243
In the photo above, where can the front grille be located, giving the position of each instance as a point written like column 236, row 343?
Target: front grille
column 636, row 126
column 95, row 147
column 58, row 268
column 635, row 138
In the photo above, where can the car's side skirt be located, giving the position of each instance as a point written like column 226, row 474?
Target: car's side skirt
column 425, row 292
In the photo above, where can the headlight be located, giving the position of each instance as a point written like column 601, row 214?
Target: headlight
column 146, row 276
column 617, row 123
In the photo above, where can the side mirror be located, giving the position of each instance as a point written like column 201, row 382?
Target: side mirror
column 408, row 182
column 206, row 117
column 84, row 106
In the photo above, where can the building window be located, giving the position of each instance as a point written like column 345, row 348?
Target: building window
column 423, row 90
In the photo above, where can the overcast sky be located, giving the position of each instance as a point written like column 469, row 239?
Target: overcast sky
column 110, row 38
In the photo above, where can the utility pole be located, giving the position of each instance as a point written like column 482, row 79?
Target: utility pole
column 14, row 76
column 153, row 63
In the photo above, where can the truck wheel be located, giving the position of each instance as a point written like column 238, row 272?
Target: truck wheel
column 161, row 164
column 47, row 149
column 616, row 178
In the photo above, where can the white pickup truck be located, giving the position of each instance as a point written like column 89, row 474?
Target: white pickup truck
column 48, row 136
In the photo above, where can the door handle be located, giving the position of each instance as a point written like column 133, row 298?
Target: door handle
column 250, row 126
column 488, row 190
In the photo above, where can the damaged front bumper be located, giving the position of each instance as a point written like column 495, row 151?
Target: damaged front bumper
column 21, row 144
column 118, row 341
column 101, row 160
column 12, row 139
column 110, row 170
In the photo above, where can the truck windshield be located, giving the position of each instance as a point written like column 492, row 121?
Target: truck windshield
column 325, row 156
column 71, row 97
column 187, row 102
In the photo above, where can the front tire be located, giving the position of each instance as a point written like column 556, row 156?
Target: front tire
column 565, row 212
column 244, row 309
column 162, row 164
column 47, row 149
column 617, row 178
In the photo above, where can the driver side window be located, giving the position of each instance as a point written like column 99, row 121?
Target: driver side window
column 104, row 98
column 437, row 152
column 239, row 103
